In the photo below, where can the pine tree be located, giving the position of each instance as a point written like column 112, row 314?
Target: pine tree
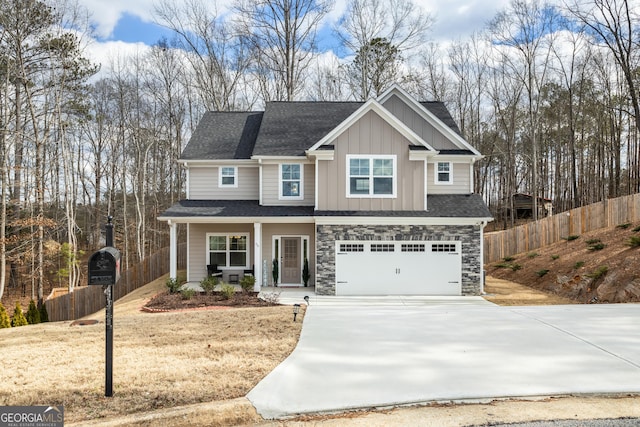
column 33, row 315
column 18, row 317
column 5, row 322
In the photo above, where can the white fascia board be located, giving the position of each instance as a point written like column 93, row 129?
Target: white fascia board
column 428, row 116
column 455, row 158
column 274, row 160
column 372, row 105
column 208, row 163
column 240, row 220
column 321, row 154
column 363, row 220
column 420, row 155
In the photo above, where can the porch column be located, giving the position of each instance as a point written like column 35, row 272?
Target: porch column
column 173, row 250
column 257, row 255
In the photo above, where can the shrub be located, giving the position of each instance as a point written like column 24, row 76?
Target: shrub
column 33, row 315
column 635, row 230
column 599, row 272
column 227, row 290
column 247, row 282
column 624, row 226
column 634, row 241
column 578, row 264
column 532, row 254
column 596, row 247
column 306, row 275
column 44, row 315
column 274, row 272
column 508, row 259
column 173, row 285
column 503, row 265
column 571, row 237
column 187, row 293
column 541, row 273
column 555, row 257
column 271, row 297
column 5, row 322
column 515, row 267
column 209, row 284
column 18, row 318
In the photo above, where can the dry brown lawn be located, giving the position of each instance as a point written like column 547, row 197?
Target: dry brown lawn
column 505, row 292
column 161, row 360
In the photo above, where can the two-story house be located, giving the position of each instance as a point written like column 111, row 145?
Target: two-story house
column 377, row 196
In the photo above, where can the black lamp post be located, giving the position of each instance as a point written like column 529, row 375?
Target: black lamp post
column 296, row 310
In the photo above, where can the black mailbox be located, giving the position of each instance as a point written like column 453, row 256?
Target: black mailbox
column 104, row 267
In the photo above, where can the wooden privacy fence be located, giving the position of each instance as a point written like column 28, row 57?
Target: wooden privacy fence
column 89, row 299
column 534, row 235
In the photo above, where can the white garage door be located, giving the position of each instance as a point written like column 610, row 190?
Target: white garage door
column 398, row 268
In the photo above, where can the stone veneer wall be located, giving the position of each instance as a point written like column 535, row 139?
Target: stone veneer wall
column 327, row 235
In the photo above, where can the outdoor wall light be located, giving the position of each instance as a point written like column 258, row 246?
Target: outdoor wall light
column 296, row 310
column 306, row 299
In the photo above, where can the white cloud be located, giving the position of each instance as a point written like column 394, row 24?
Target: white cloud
column 106, row 14
column 113, row 52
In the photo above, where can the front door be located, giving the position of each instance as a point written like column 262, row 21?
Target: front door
column 291, row 266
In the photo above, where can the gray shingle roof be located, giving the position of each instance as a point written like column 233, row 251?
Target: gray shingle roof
column 439, row 206
column 224, row 135
column 283, row 129
column 290, row 128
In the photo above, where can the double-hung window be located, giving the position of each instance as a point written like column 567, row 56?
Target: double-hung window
column 444, row 173
column 291, row 178
column 228, row 250
column 371, row 176
column 228, row 176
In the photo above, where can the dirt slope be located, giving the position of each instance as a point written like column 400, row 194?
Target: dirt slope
column 599, row 266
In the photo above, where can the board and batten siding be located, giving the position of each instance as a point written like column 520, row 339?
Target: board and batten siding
column 461, row 180
column 420, row 126
column 203, row 184
column 271, row 181
column 371, row 135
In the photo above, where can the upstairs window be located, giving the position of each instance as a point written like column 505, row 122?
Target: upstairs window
column 228, row 177
column 371, row 176
column 444, row 173
column 291, row 177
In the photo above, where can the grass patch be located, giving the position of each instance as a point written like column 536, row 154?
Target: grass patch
column 635, row 230
column 597, row 246
column 510, row 266
column 533, row 255
column 555, row 257
column 578, row 264
column 541, row 273
column 624, row 226
column 508, row 259
column 160, row 360
column 599, row 272
column 593, row 241
column 571, row 238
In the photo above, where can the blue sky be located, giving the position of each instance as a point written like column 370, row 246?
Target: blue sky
column 123, row 26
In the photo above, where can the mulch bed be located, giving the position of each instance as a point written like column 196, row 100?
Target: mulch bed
column 170, row 302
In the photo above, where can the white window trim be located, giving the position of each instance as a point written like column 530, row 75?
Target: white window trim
column 227, row 235
column 371, row 157
column 280, row 195
column 235, row 177
column 435, row 174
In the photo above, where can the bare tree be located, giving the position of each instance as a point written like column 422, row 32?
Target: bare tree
column 282, row 34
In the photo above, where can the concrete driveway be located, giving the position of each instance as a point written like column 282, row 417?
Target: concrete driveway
column 377, row 352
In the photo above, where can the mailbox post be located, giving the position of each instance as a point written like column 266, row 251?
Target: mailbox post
column 104, row 270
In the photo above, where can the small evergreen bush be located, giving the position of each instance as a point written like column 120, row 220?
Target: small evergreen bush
column 33, row 315
column 247, row 282
column 532, row 254
column 18, row 318
column 555, row 257
column 508, row 259
column 571, row 237
column 541, row 273
column 209, row 284
column 578, row 264
column 624, row 226
column 596, row 246
column 635, row 230
column 173, row 285
column 515, row 267
column 634, row 241
column 593, row 241
column 227, row 290
column 187, row 293
column 5, row 322
column 44, row 315
column 306, row 274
